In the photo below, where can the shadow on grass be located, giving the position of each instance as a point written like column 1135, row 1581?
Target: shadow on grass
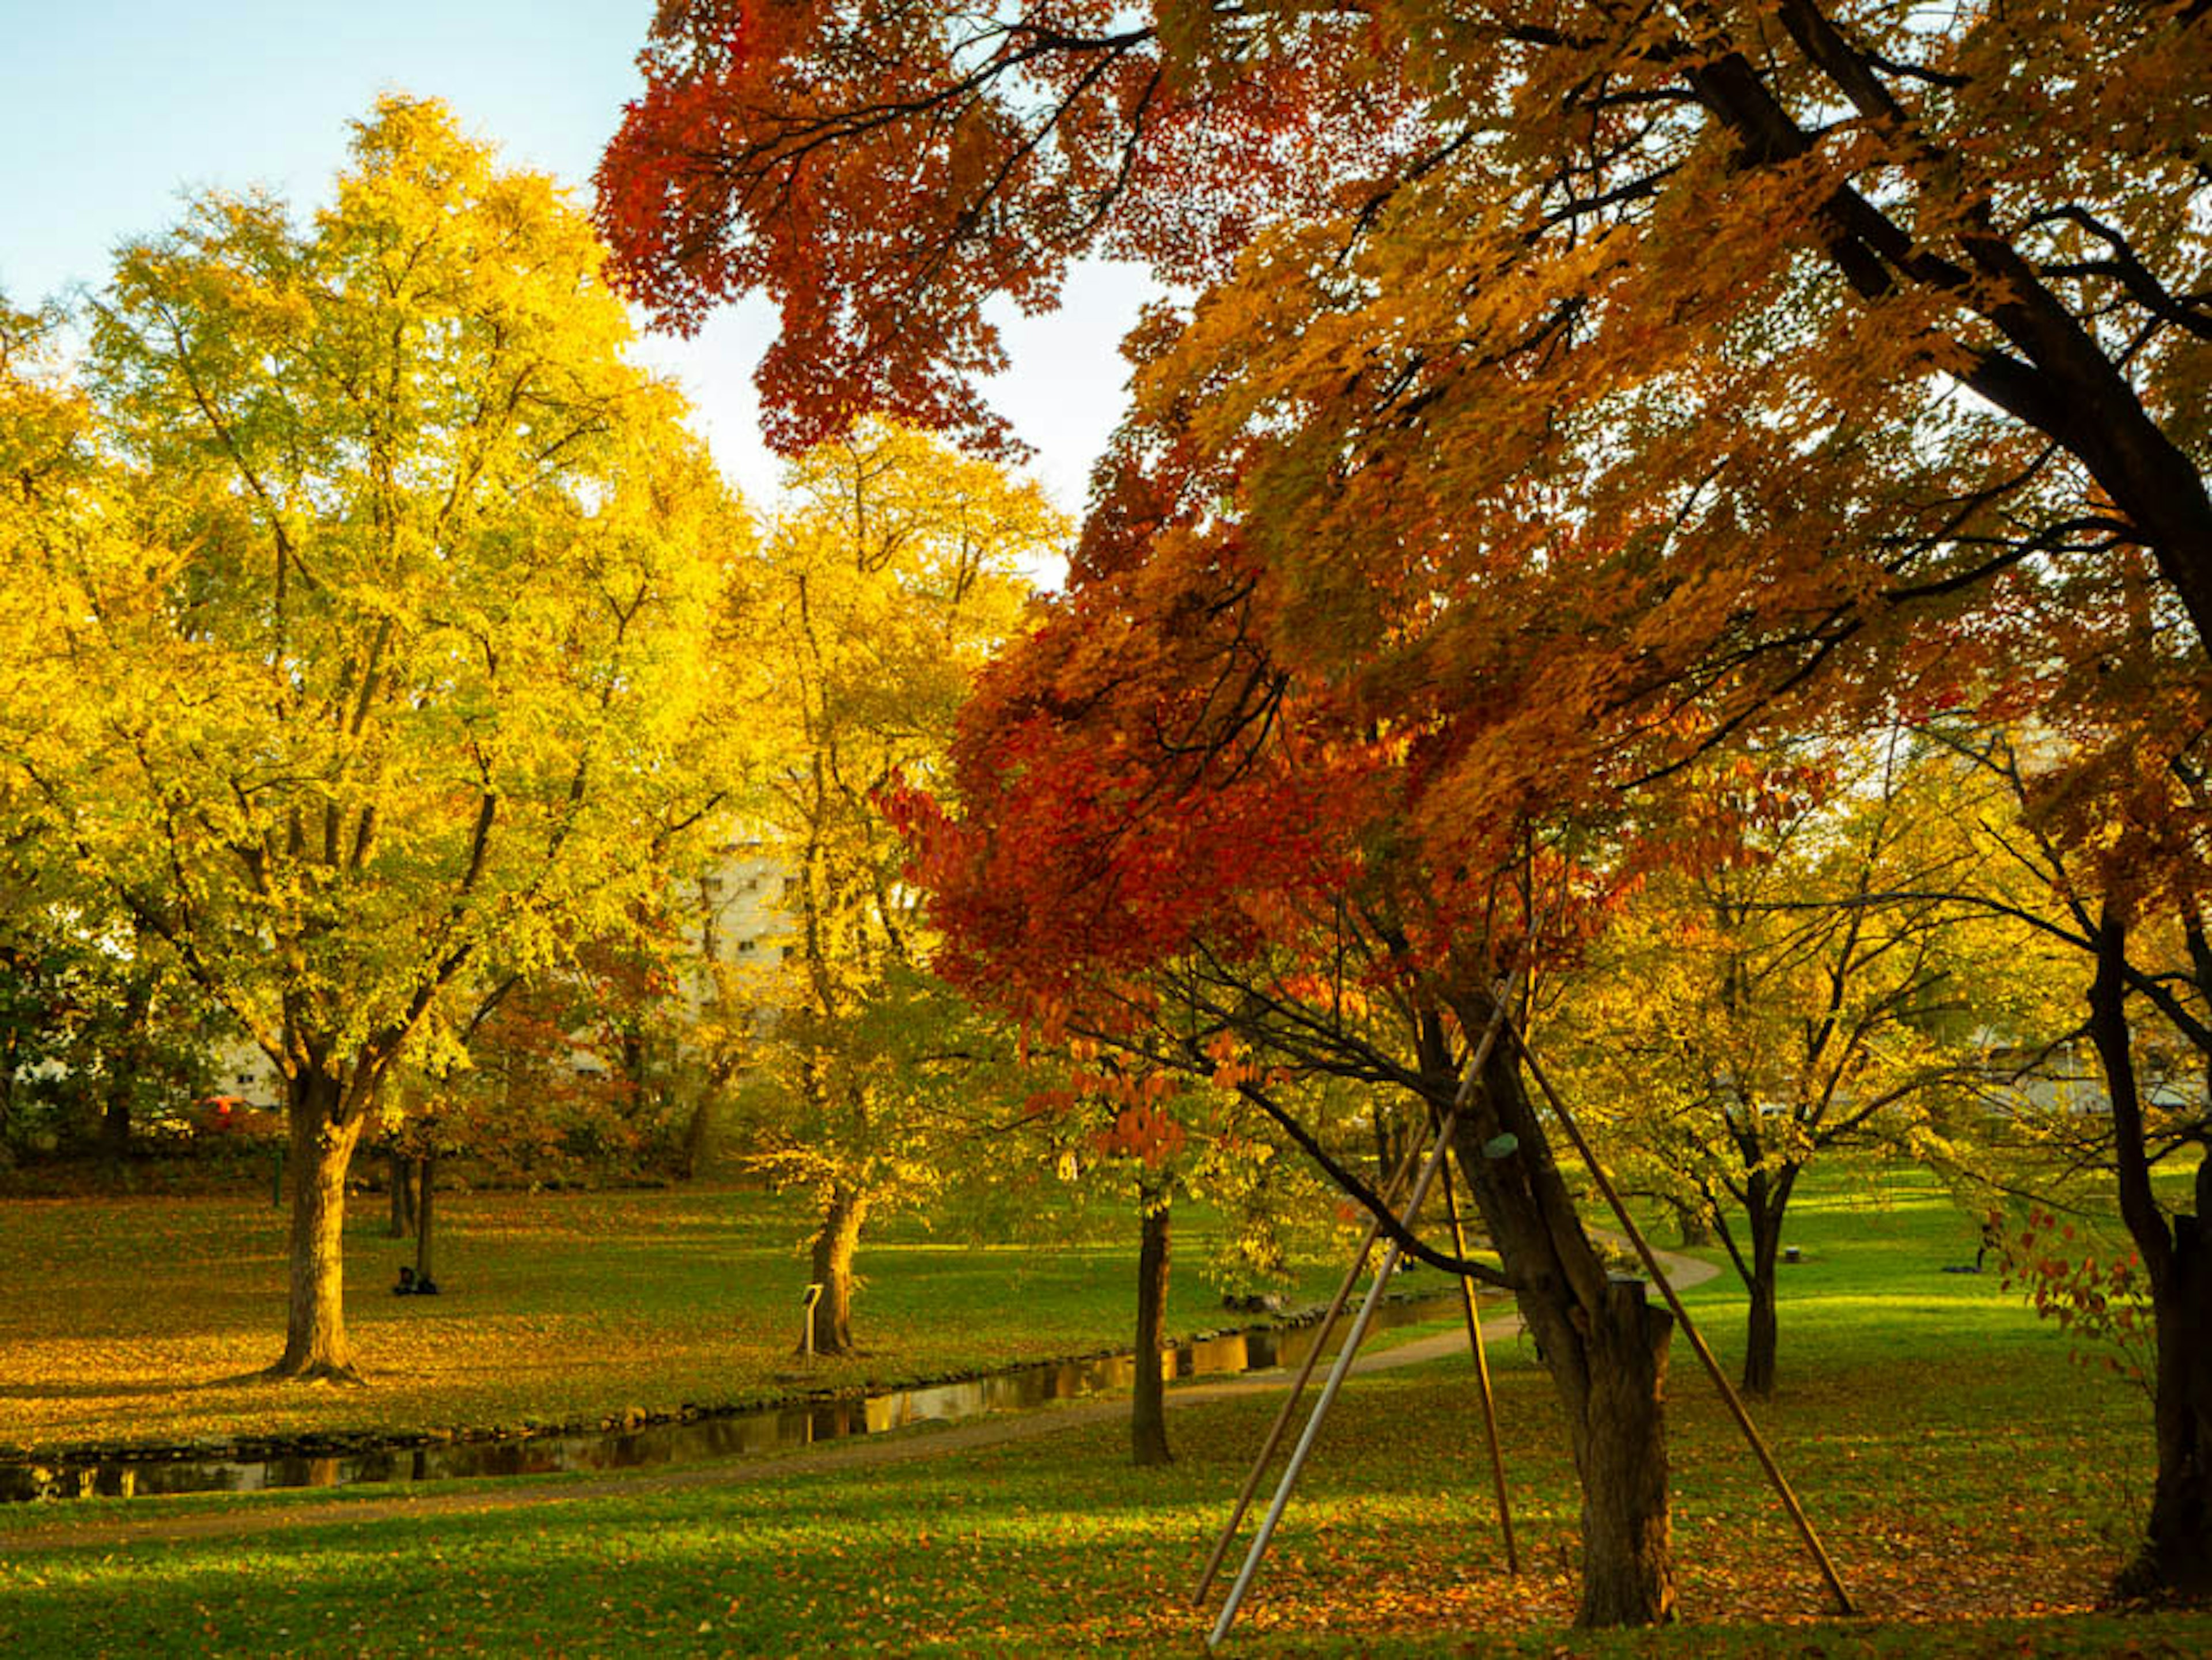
column 114, row 1389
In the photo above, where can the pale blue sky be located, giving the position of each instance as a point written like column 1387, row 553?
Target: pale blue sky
column 109, row 109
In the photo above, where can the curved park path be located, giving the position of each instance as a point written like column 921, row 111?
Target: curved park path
column 867, row 1452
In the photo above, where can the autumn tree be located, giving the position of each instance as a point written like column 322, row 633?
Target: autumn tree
column 1620, row 373
column 1798, row 979
column 896, row 566
column 1101, row 1119
column 1165, row 848
column 541, row 1079
column 1836, row 207
column 2096, row 821
column 369, row 591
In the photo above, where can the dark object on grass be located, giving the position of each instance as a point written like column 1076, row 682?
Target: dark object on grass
column 406, row 1286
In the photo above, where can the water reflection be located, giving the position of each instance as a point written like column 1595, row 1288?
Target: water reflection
column 721, row 1435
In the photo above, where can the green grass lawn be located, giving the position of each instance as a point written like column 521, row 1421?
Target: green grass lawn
column 1976, row 1485
column 131, row 1320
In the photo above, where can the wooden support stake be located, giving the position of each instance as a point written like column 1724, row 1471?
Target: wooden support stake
column 1727, row 1394
column 1337, row 1373
column 1482, row 1375
column 1390, row 1192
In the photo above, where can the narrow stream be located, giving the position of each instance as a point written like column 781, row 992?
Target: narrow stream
column 719, row 1435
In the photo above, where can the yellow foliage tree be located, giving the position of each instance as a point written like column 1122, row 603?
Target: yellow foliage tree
column 370, row 589
column 897, row 566
column 1819, row 976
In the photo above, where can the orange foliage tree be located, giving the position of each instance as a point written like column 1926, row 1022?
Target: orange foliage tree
column 1170, row 848
column 1586, row 380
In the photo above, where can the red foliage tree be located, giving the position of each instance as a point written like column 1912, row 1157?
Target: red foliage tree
column 1582, row 383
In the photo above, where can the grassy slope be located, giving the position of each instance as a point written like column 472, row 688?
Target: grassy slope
column 1974, row 1482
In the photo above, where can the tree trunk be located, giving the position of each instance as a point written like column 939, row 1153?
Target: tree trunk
column 425, row 1213
column 1148, row 1412
column 322, row 1143
column 2175, row 1556
column 1621, row 1456
column 1762, row 1325
column 1604, row 1346
column 697, row 1131
column 115, row 1123
column 1762, row 1335
column 115, row 1111
column 401, row 1181
column 1693, row 1226
column 834, row 1244
column 1393, row 1131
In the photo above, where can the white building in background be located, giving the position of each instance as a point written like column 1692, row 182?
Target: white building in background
column 732, row 913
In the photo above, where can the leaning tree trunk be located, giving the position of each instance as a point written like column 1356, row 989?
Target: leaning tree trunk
column 2175, row 1556
column 834, row 1244
column 1604, row 1345
column 323, row 1136
column 1148, row 1412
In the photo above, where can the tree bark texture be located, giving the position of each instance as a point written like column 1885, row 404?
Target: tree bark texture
column 1620, row 1456
column 2175, row 1556
column 1603, row 1345
column 835, row 1242
column 1148, row 1412
column 322, row 1143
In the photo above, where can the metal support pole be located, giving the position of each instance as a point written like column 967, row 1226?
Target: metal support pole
column 1727, row 1394
column 1482, row 1376
column 1390, row 1192
column 1300, row 1453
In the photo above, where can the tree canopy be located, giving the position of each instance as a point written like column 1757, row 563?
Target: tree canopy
column 1565, row 391
column 369, row 588
column 896, row 567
